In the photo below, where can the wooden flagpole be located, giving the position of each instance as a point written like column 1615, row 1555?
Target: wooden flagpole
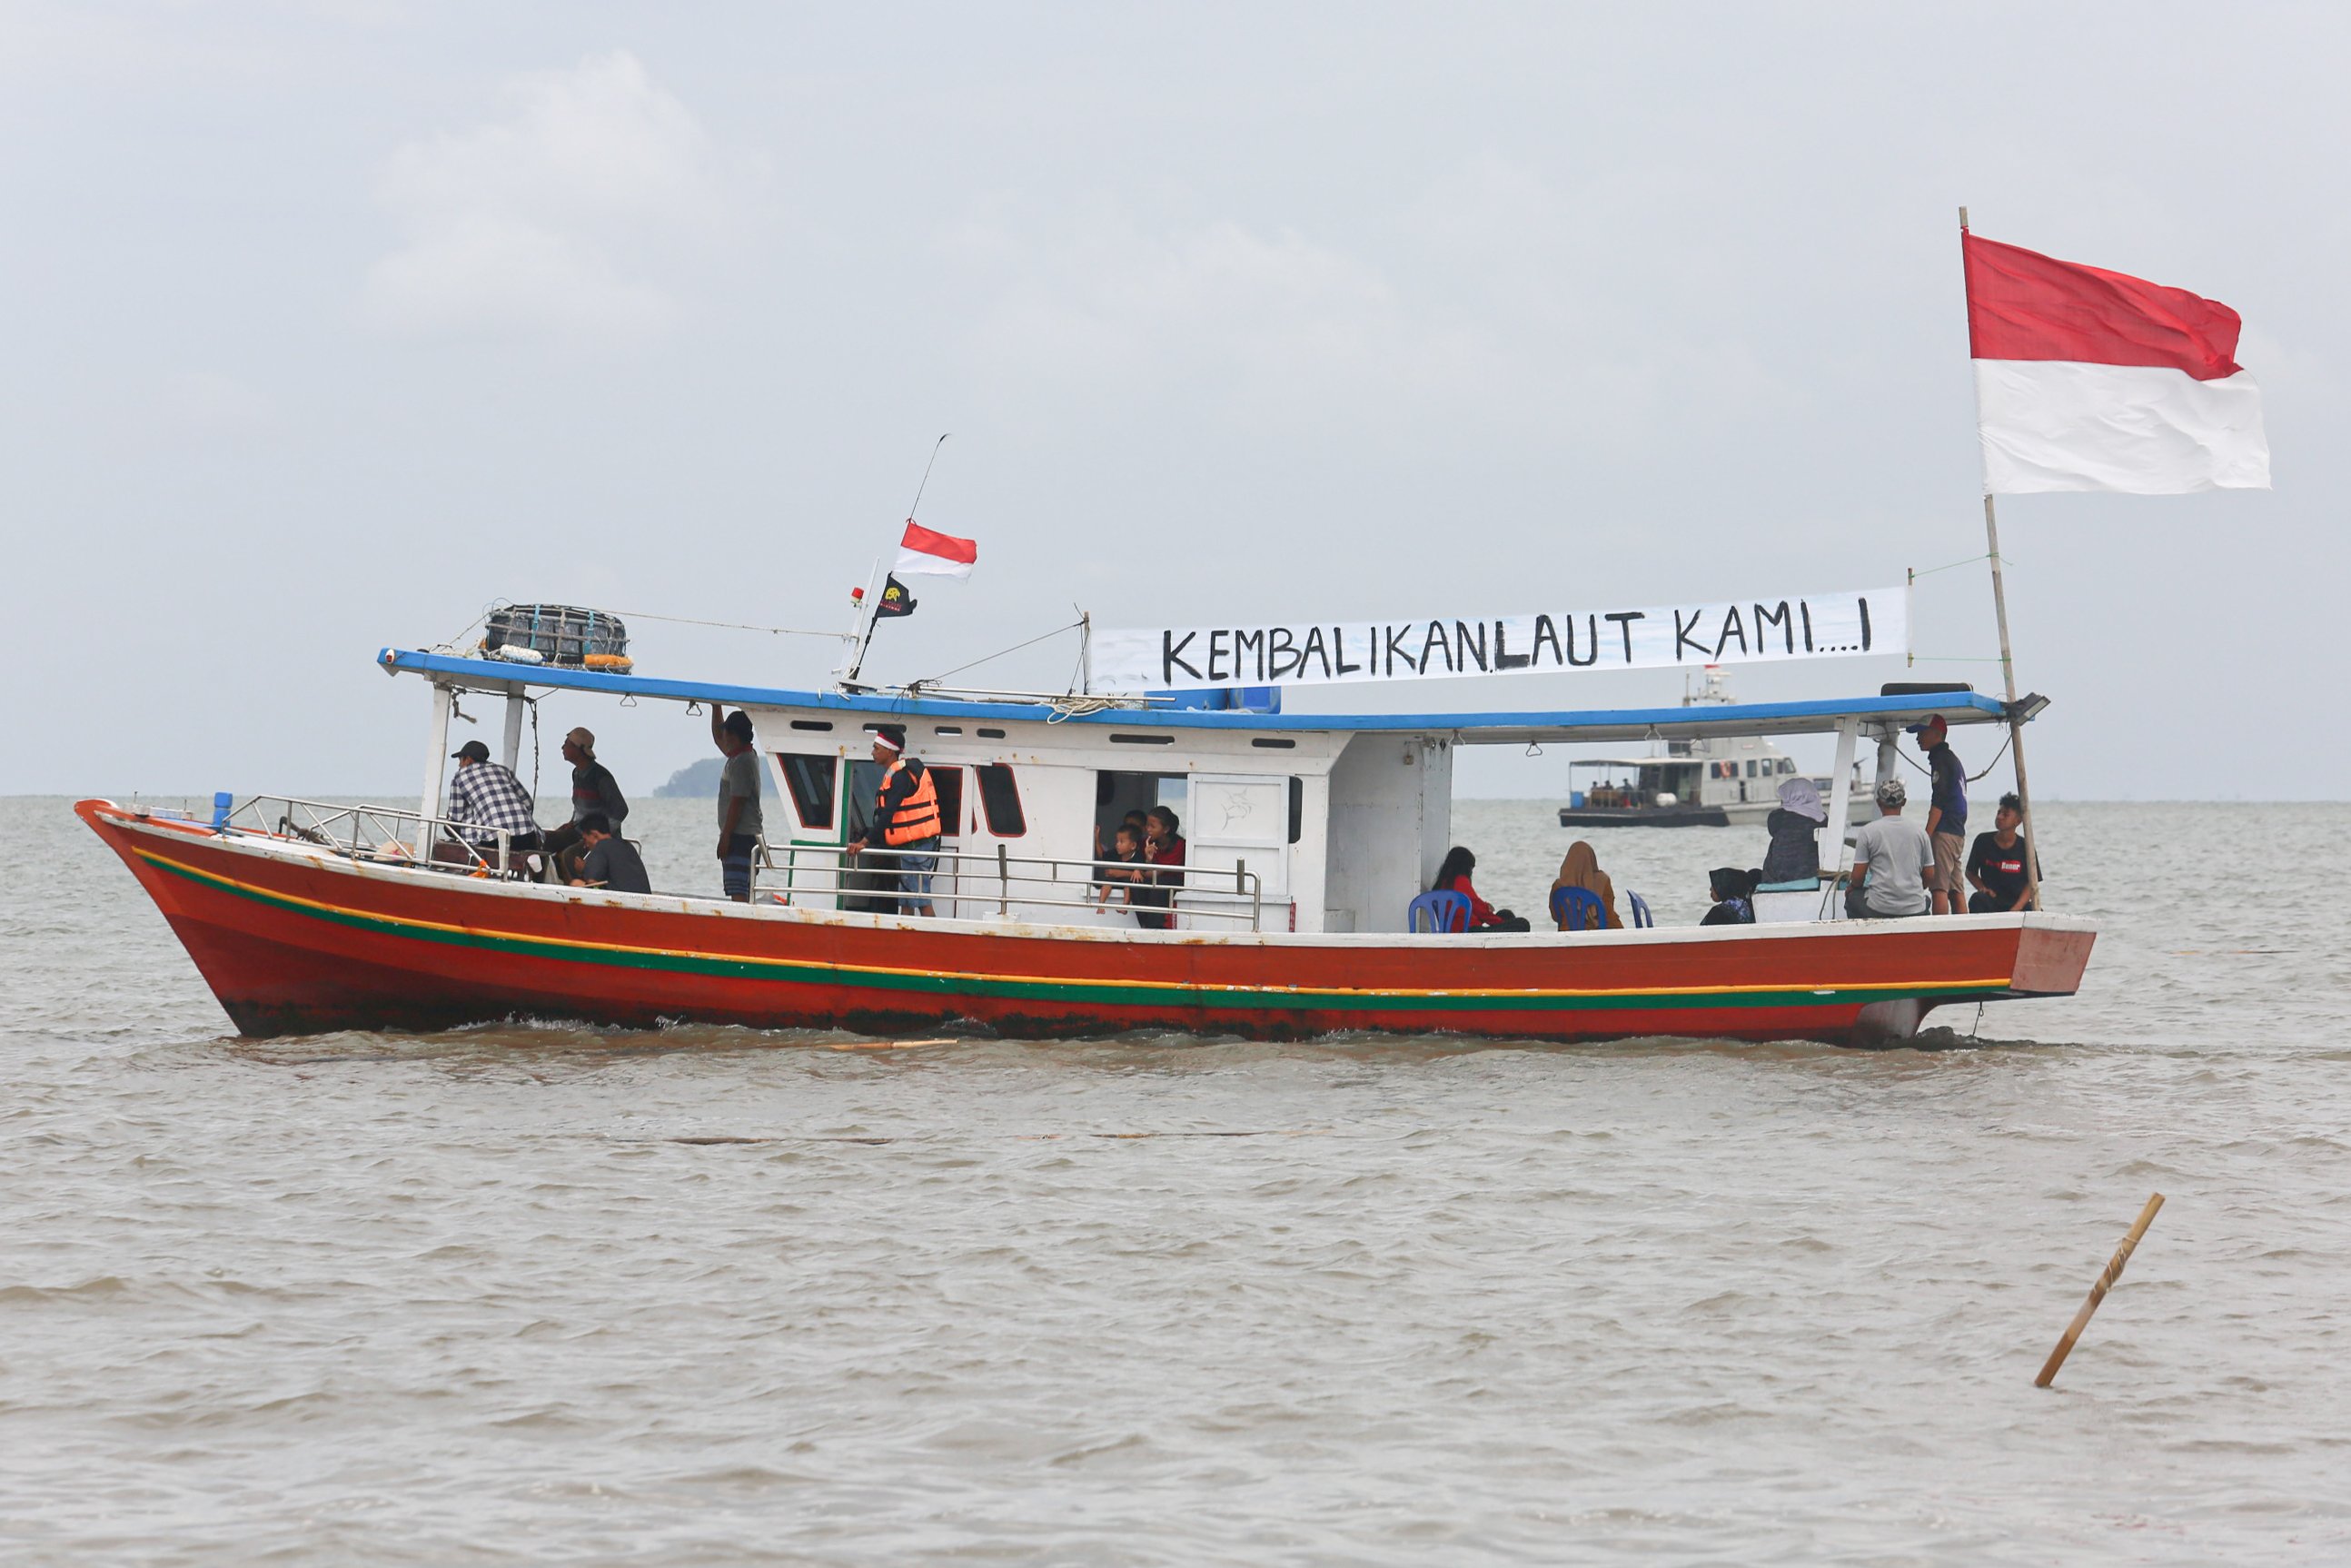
column 2007, row 661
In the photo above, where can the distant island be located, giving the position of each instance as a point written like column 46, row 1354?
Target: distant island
column 699, row 781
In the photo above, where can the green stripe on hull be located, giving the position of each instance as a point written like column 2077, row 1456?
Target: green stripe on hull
column 790, row 971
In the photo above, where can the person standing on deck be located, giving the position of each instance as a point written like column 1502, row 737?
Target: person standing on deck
column 1947, row 812
column 1163, row 849
column 594, row 792
column 738, row 800
column 1893, row 864
column 905, row 820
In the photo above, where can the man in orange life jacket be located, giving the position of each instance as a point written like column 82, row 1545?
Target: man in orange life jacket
column 906, row 824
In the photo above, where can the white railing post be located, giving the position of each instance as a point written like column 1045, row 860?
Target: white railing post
column 1840, row 797
column 436, row 768
column 511, row 743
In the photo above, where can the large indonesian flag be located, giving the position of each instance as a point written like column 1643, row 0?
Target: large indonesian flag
column 2088, row 380
column 934, row 554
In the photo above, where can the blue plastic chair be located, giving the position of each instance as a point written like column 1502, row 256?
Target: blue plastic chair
column 1578, row 909
column 1642, row 919
column 1445, row 911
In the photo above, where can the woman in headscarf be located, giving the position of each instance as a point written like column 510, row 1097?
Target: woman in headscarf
column 1794, row 855
column 1733, row 892
column 1581, row 869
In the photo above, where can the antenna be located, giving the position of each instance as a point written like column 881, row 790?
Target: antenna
column 873, row 604
column 926, row 485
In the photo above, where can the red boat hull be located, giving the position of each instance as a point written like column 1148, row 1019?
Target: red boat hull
column 295, row 940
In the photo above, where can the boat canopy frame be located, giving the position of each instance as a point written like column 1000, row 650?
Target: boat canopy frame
column 1826, row 715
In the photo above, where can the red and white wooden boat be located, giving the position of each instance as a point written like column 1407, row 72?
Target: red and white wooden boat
column 1309, row 834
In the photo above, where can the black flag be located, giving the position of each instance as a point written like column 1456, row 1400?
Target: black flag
column 895, row 599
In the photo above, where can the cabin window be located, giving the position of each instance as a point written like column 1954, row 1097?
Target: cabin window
column 1142, row 739
column 824, row 724
column 987, row 734
column 946, row 729
column 810, row 781
column 1274, row 743
column 1000, row 796
column 948, row 782
column 1750, row 773
column 1297, row 806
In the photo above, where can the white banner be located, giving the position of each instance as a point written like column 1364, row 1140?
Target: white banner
column 1327, row 653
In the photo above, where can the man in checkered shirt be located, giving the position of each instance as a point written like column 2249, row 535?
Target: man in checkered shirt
column 485, row 796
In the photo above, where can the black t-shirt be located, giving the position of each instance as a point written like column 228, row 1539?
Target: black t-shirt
column 614, row 864
column 2000, row 870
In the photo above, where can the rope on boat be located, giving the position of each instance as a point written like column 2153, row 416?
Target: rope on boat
column 913, row 686
column 2005, row 559
column 736, row 625
column 1919, row 767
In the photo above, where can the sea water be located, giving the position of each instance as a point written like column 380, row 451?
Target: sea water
column 710, row 1296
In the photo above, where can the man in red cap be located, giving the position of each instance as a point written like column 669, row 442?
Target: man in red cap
column 1947, row 812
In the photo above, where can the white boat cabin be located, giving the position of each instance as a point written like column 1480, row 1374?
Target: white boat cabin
column 1310, row 822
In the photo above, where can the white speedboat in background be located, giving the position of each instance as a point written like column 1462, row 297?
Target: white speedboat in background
column 1702, row 781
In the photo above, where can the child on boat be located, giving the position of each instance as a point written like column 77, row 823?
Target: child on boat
column 1113, row 880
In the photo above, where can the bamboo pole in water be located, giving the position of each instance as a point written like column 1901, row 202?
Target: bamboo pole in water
column 2098, row 1293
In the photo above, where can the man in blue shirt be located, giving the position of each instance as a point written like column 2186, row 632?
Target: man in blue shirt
column 1947, row 812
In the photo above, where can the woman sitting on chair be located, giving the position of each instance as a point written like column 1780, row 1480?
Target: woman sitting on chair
column 1581, row 869
column 1453, row 876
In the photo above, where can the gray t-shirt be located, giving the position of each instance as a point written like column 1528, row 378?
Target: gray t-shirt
column 1897, row 853
column 739, row 779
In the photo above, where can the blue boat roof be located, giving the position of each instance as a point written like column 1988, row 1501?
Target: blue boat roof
column 1813, row 716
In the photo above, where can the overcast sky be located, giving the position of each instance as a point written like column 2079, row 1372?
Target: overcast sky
column 328, row 323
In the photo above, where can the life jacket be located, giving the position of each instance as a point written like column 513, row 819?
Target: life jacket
column 917, row 816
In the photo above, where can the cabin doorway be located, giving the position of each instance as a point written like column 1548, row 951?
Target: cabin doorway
column 864, row 794
column 1116, row 794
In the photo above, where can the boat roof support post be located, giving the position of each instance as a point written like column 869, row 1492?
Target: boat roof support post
column 437, row 766
column 1840, row 794
column 510, row 745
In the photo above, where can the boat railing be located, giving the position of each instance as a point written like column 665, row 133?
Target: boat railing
column 373, row 832
column 1007, row 883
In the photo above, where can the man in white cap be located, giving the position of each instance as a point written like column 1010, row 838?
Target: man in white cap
column 906, row 825
column 594, row 792
column 1892, row 863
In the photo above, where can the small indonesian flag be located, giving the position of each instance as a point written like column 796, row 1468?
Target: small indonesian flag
column 938, row 555
column 2088, row 380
